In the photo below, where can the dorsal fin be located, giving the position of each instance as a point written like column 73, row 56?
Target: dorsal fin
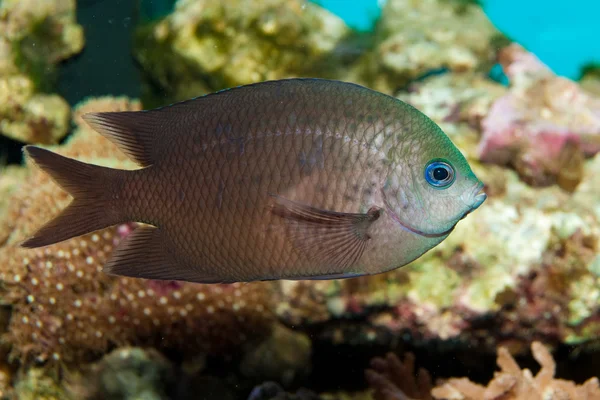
column 134, row 132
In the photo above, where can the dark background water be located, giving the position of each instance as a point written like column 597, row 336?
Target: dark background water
column 106, row 65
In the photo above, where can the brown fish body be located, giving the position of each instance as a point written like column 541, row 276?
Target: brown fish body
column 276, row 180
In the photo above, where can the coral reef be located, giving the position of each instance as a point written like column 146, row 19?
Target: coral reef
column 35, row 37
column 525, row 266
column 283, row 357
column 206, row 45
column 458, row 102
column 39, row 384
column 415, row 37
column 590, row 80
column 512, row 383
column 126, row 373
column 64, row 307
column 392, row 379
column 10, row 178
column 544, row 126
column 273, row 391
column 454, row 100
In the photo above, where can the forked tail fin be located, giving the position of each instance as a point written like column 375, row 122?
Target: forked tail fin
column 91, row 187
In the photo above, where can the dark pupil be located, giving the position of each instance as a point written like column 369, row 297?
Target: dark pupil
column 440, row 174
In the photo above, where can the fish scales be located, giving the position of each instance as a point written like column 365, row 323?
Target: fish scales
column 223, row 150
column 278, row 180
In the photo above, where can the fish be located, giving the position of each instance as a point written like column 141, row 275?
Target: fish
column 293, row 179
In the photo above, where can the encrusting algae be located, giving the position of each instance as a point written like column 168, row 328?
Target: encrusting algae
column 64, row 307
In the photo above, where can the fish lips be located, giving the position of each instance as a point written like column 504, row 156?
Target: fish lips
column 478, row 196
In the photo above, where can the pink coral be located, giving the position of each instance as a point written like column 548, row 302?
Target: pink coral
column 541, row 118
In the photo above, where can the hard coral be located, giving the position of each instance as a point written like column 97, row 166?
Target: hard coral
column 206, row 45
column 512, row 383
column 544, row 126
column 34, row 37
column 64, row 307
column 393, row 379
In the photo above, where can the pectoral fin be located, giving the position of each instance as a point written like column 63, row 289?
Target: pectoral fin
column 331, row 239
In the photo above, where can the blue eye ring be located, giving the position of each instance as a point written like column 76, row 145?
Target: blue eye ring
column 439, row 174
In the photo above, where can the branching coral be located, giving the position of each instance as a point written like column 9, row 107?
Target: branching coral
column 65, row 308
column 392, row 379
column 512, row 383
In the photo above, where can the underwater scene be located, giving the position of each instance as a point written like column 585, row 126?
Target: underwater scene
column 299, row 200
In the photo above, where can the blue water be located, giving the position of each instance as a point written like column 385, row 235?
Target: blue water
column 359, row 14
column 563, row 34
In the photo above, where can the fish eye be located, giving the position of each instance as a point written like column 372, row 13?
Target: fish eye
column 439, row 174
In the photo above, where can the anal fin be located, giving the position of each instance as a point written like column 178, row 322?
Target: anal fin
column 144, row 254
column 333, row 240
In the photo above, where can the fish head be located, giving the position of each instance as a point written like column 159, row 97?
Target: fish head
column 430, row 186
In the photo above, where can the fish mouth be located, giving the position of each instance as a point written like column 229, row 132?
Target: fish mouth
column 477, row 199
column 409, row 228
column 478, row 196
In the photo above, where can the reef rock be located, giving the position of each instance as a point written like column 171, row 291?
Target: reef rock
column 457, row 102
column 415, row 37
column 590, row 80
column 39, row 384
column 544, row 126
column 128, row 373
column 285, row 357
column 34, row 37
column 272, row 391
column 207, row 45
